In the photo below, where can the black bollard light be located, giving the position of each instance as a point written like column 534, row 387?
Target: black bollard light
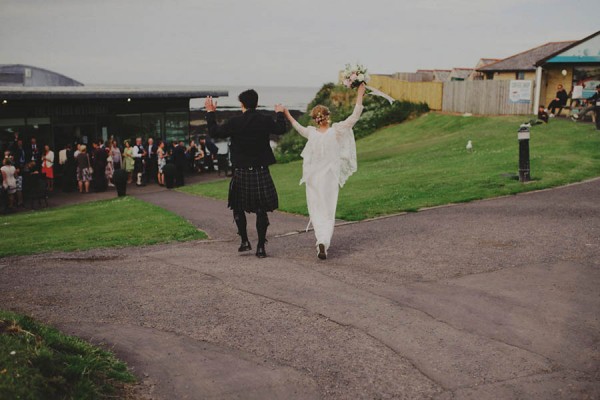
column 523, row 135
column 597, row 110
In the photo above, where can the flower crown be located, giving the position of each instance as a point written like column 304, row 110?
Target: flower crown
column 320, row 118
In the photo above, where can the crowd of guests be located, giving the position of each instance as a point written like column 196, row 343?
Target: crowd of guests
column 28, row 171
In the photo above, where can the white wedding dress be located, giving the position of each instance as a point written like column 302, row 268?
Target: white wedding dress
column 329, row 159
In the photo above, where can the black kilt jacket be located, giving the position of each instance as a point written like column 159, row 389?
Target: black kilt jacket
column 251, row 188
column 249, row 135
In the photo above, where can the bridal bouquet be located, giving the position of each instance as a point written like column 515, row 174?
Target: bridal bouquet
column 354, row 75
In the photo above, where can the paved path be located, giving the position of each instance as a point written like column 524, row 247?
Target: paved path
column 487, row 300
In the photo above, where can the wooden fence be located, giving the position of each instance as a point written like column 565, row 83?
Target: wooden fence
column 482, row 97
column 427, row 92
column 475, row 97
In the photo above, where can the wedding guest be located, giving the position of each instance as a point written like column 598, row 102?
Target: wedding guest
column 192, row 151
column 109, row 170
column 161, row 162
column 19, row 185
column 198, row 161
column 179, row 159
column 559, row 101
column 139, row 154
column 33, row 152
column 128, row 162
column 151, row 160
column 210, row 150
column 18, row 153
column 48, row 167
column 77, row 150
column 99, row 162
column 9, row 182
column 251, row 188
column 31, row 177
column 329, row 160
column 84, row 175
column 115, row 154
column 69, row 170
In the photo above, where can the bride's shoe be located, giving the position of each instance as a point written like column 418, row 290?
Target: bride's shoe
column 321, row 253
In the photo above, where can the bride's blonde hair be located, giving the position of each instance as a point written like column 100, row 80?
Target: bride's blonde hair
column 320, row 114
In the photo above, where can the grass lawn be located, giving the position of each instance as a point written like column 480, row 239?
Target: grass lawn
column 424, row 163
column 38, row 362
column 118, row 222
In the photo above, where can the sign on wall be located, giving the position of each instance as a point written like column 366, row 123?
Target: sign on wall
column 520, row 92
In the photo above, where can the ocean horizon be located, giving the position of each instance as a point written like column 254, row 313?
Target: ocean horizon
column 294, row 98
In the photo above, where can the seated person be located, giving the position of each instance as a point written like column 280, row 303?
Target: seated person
column 559, row 101
column 591, row 105
column 542, row 114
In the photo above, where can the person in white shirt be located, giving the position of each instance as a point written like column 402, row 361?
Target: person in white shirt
column 139, row 153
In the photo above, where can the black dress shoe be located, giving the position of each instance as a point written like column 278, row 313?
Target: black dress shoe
column 260, row 252
column 245, row 246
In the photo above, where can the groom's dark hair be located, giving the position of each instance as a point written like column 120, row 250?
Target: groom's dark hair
column 249, row 98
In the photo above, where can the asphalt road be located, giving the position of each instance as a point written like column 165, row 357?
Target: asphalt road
column 496, row 299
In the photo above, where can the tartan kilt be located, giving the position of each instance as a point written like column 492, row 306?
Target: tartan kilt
column 251, row 190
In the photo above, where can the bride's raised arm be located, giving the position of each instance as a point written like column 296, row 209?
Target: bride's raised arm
column 358, row 108
column 299, row 128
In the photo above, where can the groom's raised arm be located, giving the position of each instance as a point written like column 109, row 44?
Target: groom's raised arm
column 214, row 130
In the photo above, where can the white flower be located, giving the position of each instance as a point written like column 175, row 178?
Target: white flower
column 361, row 77
column 12, row 353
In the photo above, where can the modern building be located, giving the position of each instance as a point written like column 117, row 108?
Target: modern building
column 59, row 110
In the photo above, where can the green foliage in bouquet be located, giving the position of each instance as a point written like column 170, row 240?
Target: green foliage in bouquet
column 340, row 101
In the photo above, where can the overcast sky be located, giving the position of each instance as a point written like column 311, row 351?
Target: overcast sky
column 275, row 43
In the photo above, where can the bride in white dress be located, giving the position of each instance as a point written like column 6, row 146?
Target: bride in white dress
column 329, row 159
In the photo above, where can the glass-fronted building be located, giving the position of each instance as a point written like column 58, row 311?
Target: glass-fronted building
column 57, row 115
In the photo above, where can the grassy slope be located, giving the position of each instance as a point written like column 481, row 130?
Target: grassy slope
column 38, row 362
column 109, row 223
column 424, row 163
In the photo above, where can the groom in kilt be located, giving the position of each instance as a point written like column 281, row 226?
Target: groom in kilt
column 251, row 188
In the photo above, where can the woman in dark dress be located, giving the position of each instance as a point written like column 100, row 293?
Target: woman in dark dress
column 70, row 171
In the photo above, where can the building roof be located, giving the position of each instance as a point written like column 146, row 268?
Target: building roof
column 526, row 60
column 569, row 47
column 28, row 75
column 460, row 73
column 441, row 75
column 105, row 92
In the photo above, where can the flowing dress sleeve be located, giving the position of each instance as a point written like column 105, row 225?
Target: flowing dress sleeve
column 347, row 145
column 349, row 122
column 300, row 129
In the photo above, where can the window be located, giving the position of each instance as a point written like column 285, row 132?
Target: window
column 520, row 75
column 176, row 126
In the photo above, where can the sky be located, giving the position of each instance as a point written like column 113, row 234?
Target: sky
column 275, row 42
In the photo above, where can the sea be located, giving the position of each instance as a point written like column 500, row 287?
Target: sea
column 294, row 98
